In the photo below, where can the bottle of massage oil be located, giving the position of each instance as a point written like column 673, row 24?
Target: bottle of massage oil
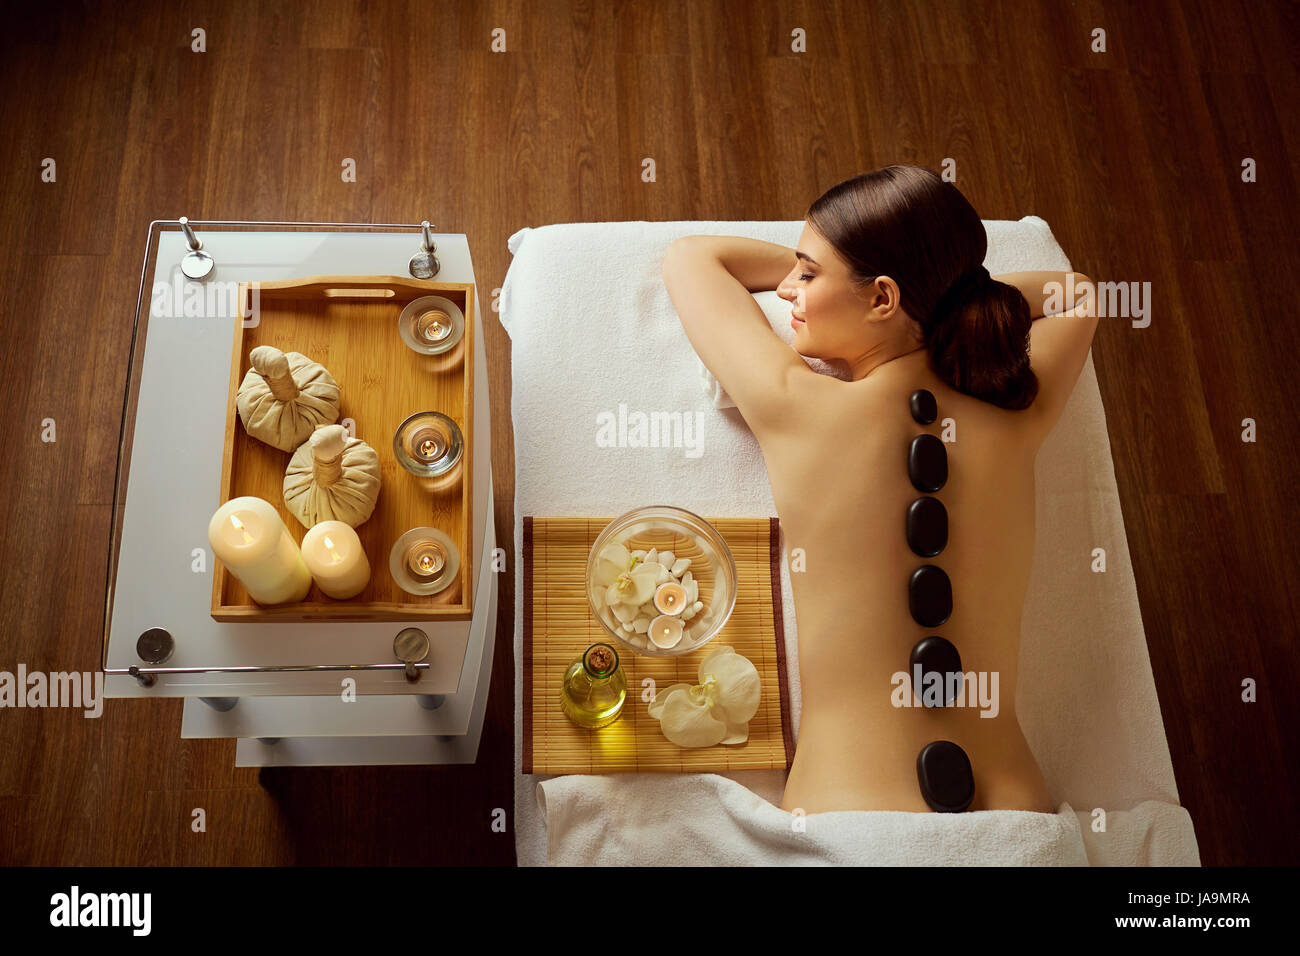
column 594, row 688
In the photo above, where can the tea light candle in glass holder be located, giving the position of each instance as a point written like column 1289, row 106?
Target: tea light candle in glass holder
column 424, row 561
column 428, row 444
column 431, row 325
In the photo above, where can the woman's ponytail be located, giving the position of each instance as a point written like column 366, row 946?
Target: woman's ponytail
column 978, row 338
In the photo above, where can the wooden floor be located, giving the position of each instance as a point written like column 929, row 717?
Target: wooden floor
column 1133, row 156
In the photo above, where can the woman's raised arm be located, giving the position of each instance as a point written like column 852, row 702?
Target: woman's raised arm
column 759, row 266
column 1035, row 286
column 728, row 330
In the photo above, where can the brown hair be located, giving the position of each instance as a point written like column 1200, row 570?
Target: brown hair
column 906, row 222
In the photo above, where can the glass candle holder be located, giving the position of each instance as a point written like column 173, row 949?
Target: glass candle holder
column 424, row 561
column 431, row 325
column 428, row 444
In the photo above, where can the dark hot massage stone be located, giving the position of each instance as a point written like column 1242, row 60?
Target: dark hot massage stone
column 929, row 596
column 924, row 408
column 935, row 654
column 927, row 463
column 927, row 526
column 943, row 771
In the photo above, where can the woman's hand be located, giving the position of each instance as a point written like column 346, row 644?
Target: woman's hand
column 1034, row 286
column 759, row 266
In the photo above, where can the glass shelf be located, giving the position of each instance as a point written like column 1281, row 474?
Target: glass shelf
column 169, row 463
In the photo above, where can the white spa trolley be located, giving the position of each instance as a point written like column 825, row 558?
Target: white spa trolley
column 278, row 688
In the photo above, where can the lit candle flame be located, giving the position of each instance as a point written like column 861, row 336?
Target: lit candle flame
column 432, row 327
column 425, row 559
column 239, row 526
column 333, row 554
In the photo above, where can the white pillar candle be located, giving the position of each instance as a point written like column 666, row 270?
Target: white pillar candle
column 670, row 598
column 336, row 559
column 666, row 631
column 250, row 539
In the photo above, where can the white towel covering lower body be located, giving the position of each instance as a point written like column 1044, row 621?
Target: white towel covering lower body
column 710, row 820
column 585, row 302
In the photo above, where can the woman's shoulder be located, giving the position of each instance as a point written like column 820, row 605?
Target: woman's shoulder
column 887, row 395
column 881, row 402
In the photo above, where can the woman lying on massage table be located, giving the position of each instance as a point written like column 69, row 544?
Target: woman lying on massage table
column 888, row 278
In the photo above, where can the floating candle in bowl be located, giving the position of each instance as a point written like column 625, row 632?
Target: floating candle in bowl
column 670, row 598
column 336, row 560
column 666, row 631
column 249, row 538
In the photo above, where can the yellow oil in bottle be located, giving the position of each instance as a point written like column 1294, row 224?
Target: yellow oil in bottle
column 594, row 688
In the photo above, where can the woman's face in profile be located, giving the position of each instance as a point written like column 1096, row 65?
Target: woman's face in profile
column 831, row 320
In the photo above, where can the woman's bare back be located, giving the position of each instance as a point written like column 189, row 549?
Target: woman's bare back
column 841, row 490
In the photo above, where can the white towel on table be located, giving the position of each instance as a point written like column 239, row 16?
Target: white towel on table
column 777, row 312
column 592, row 328
column 670, row 819
column 587, row 824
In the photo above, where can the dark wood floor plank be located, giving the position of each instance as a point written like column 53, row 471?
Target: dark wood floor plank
column 1175, row 125
column 1199, row 672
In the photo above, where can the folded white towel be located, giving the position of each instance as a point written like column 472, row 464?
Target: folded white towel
column 777, row 312
column 709, row 820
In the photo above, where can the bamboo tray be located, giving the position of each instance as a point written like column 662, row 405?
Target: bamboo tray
column 349, row 325
column 559, row 625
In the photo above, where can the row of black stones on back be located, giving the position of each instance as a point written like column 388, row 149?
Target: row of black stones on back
column 943, row 770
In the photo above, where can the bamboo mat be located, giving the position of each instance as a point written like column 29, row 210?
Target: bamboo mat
column 559, row 626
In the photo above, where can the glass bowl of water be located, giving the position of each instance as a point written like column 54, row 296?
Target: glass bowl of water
column 661, row 581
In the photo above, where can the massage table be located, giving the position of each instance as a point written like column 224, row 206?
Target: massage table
column 591, row 326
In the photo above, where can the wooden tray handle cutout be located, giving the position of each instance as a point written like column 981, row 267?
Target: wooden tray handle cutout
column 359, row 293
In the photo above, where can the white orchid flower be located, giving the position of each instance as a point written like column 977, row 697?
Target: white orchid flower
column 626, row 579
column 718, row 709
